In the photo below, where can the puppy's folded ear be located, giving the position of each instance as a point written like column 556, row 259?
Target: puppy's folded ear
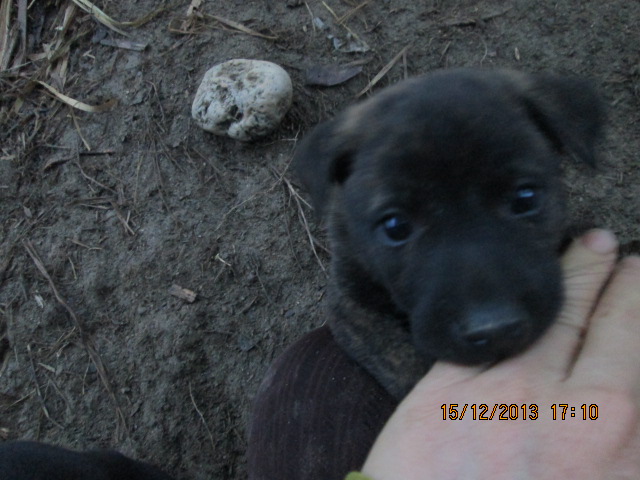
column 323, row 158
column 568, row 111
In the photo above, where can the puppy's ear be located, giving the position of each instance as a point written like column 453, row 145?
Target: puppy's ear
column 568, row 111
column 322, row 159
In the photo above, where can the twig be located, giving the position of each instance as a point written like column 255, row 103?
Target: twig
column 97, row 152
column 204, row 422
column 239, row 27
column 352, row 12
column 499, row 13
column 109, row 22
column 298, row 200
column 445, row 50
column 182, row 293
column 124, row 221
column 77, row 242
column 72, row 102
column 338, row 21
column 22, row 21
column 160, row 178
column 383, row 72
column 93, row 180
column 38, row 391
column 313, row 24
column 8, row 34
column 193, row 6
column 100, row 16
column 75, row 122
column 86, row 342
column 404, row 65
column 330, row 10
column 236, row 207
column 469, row 21
column 254, row 262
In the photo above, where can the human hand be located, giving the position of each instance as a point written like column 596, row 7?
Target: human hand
column 590, row 356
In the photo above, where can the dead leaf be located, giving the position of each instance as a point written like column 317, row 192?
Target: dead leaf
column 330, row 75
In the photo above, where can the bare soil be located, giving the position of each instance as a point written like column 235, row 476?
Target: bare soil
column 101, row 213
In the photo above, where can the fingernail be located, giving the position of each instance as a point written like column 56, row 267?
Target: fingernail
column 600, row 241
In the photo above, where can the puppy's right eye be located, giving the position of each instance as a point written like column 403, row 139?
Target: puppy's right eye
column 394, row 230
column 526, row 201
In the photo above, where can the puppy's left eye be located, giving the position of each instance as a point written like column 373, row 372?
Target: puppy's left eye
column 526, row 201
column 394, row 230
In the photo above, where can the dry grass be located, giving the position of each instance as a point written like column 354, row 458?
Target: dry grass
column 36, row 82
column 196, row 21
column 380, row 75
column 36, row 79
column 84, row 339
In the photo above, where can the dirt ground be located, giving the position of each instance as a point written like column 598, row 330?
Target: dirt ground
column 101, row 213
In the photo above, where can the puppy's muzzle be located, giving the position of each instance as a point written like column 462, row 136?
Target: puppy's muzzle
column 483, row 301
column 492, row 330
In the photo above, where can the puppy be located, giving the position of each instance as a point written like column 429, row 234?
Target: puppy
column 38, row 461
column 445, row 208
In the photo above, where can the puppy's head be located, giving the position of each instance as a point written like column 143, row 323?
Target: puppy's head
column 445, row 203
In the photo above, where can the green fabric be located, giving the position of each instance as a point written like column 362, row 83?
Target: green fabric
column 356, row 476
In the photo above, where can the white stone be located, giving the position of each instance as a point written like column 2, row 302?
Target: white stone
column 244, row 99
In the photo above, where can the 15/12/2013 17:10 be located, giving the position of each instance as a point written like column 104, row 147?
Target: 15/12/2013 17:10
column 526, row 411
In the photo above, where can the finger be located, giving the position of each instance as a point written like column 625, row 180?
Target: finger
column 610, row 356
column 586, row 266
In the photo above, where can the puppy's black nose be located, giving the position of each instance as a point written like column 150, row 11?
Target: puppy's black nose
column 494, row 330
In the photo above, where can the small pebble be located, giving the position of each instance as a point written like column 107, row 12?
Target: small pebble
column 243, row 99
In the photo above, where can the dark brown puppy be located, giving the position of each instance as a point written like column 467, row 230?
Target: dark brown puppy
column 445, row 207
